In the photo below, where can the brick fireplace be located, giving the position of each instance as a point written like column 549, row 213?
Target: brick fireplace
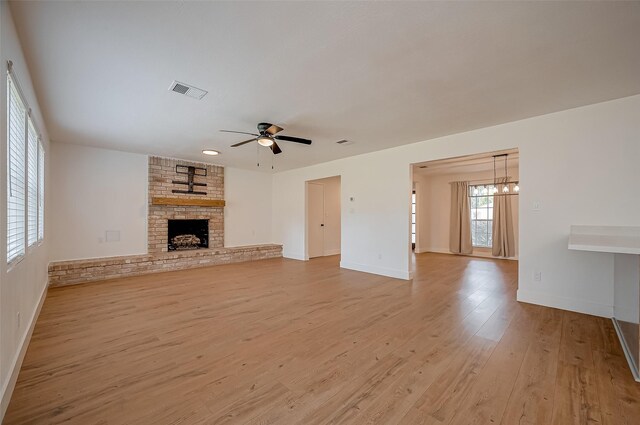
column 162, row 174
column 165, row 204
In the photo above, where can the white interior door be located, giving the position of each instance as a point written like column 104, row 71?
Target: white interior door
column 315, row 220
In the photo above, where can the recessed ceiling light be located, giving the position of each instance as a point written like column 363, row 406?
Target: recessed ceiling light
column 210, row 152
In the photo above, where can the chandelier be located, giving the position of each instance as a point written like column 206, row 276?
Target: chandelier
column 501, row 186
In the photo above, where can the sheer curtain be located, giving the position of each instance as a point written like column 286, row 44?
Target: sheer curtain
column 504, row 244
column 460, row 222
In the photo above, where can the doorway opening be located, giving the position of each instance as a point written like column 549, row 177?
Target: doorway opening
column 467, row 205
column 323, row 217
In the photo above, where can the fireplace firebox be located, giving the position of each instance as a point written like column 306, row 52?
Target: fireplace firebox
column 188, row 234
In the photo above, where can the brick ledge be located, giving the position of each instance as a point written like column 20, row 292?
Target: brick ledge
column 62, row 273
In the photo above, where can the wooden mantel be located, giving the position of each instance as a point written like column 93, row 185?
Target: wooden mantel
column 158, row 200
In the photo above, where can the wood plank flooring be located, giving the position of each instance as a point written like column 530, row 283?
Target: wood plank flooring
column 288, row 342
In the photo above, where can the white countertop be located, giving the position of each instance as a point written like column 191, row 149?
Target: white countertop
column 615, row 239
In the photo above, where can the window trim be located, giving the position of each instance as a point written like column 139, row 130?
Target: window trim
column 41, row 192
column 30, row 127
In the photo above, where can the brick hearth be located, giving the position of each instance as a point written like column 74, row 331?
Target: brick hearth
column 63, row 273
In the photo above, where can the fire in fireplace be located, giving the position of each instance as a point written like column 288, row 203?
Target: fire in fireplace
column 188, row 234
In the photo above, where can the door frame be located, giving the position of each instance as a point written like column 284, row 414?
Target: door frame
column 306, row 211
column 310, row 213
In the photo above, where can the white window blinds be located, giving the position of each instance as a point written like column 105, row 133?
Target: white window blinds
column 40, row 191
column 32, row 184
column 16, row 123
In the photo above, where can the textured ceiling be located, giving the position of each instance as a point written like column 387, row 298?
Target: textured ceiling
column 378, row 74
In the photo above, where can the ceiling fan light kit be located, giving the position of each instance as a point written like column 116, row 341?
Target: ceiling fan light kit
column 265, row 141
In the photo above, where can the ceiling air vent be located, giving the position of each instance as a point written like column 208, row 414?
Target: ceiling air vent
column 187, row 90
column 344, row 142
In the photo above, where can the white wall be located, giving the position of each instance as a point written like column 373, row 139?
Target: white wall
column 22, row 287
column 371, row 224
column 95, row 191
column 98, row 190
column 566, row 160
column 247, row 214
column 332, row 214
column 433, row 193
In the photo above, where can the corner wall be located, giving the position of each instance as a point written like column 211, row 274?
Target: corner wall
column 247, row 214
column 95, row 191
column 566, row 159
column 23, row 286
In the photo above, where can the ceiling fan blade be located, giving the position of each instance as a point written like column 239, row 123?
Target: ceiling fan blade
column 293, row 139
column 274, row 129
column 243, row 143
column 239, row 132
column 275, row 148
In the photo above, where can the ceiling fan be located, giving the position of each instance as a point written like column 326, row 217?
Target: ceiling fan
column 267, row 137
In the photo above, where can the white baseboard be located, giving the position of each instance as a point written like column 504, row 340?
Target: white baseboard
column 294, row 256
column 332, row 252
column 301, row 257
column 625, row 348
column 383, row 271
column 565, row 303
column 10, row 383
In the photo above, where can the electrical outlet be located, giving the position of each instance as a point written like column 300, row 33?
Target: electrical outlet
column 536, row 205
column 379, row 256
column 537, row 276
column 112, row 236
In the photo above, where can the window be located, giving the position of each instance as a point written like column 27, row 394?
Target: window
column 413, row 219
column 481, row 215
column 16, row 129
column 25, row 176
column 40, row 191
column 32, row 184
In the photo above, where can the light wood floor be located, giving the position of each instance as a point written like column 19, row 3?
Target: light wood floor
column 288, row 342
